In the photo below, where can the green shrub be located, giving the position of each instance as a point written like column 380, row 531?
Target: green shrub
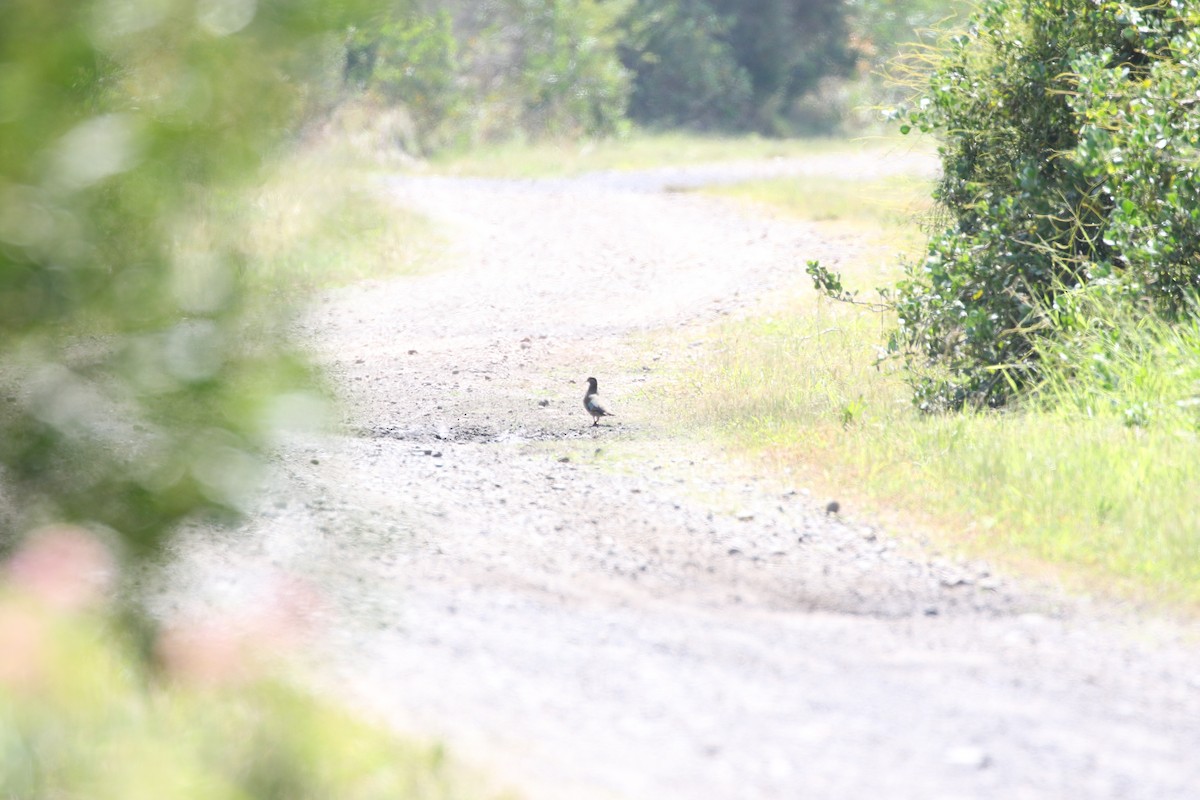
column 1069, row 154
column 1139, row 151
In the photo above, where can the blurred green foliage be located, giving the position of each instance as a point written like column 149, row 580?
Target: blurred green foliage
column 142, row 369
column 471, row 72
column 134, row 384
column 412, row 60
column 733, row 64
column 80, row 718
column 565, row 54
column 1069, row 140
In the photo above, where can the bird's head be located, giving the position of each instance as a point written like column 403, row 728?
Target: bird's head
column 591, row 382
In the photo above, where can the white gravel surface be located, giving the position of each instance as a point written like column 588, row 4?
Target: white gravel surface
column 610, row 612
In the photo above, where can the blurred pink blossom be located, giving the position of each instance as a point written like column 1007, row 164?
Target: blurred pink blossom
column 232, row 650
column 64, row 566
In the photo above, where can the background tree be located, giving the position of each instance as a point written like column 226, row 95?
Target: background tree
column 788, row 47
column 752, row 61
column 686, row 72
column 468, row 72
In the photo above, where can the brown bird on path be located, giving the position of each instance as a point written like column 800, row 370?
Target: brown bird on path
column 592, row 403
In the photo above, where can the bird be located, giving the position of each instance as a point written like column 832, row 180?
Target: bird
column 592, row 403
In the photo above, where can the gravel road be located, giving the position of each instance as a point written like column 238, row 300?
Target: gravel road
column 612, row 612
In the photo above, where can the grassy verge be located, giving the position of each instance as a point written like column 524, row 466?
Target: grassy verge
column 885, row 210
column 1118, row 502
column 1082, row 476
column 640, row 150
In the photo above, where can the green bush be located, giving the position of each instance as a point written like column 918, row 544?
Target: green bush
column 1139, row 151
column 1069, row 155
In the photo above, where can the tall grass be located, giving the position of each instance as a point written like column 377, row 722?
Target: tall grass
column 1118, row 361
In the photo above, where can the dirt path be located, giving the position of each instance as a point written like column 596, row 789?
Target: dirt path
column 612, row 613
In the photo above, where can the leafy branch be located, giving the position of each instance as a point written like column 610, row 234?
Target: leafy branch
column 829, row 283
